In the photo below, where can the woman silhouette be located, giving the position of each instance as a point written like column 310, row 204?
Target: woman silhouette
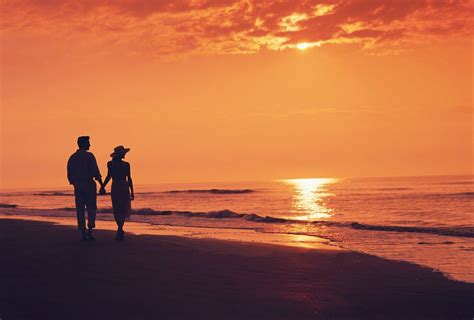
column 122, row 188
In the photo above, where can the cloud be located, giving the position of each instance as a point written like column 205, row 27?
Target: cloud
column 175, row 27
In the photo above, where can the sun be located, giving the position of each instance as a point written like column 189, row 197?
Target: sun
column 302, row 45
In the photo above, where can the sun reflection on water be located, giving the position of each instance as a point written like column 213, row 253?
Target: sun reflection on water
column 308, row 198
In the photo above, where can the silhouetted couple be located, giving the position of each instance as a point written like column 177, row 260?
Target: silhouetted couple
column 82, row 169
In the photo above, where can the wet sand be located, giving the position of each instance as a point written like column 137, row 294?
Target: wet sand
column 47, row 273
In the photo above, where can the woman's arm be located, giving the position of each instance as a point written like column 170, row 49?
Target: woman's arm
column 130, row 183
column 107, row 179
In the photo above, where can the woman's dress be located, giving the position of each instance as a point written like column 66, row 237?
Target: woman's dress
column 119, row 171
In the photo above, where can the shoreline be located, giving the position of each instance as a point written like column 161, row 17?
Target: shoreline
column 49, row 273
column 141, row 228
column 105, row 221
column 226, row 234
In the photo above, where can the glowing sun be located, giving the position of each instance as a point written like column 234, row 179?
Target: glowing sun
column 302, row 45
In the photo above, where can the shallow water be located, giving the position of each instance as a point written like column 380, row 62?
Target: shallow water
column 425, row 220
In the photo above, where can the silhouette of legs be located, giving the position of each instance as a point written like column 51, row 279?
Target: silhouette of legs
column 80, row 209
column 86, row 197
column 91, row 205
column 121, row 205
column 120, row 233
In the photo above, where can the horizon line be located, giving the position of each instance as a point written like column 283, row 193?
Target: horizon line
column 5, row 189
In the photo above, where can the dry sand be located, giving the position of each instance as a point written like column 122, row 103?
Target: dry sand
column 47, row 273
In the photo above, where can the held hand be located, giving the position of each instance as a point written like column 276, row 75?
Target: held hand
column 132, row 196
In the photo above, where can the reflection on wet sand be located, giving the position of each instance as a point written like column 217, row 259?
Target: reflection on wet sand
column 239, row 235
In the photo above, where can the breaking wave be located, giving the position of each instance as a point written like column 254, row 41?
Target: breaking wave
column 228, row 214
column 443, row 231
column 6, row 205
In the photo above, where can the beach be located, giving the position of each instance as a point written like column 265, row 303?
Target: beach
column 260, row 159
column 422, row 220
column 47, row 273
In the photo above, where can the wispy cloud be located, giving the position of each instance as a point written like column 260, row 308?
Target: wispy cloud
column 173, row 27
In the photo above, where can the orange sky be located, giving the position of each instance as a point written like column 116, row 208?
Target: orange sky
column 218, row 90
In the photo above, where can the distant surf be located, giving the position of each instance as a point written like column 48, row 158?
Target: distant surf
column 54, row 194
column 210, row 191
column 213, row 191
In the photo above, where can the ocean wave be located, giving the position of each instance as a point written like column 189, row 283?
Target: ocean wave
column 210, row 191
column 228, row 214
column 213, row 191
column 469, row 194
column 7, row 205
column 392, row 189
column 219, row 214
column 53, row 194
column 457, row 182
column 435, row 243
column 410, row 196
column 443, row 231
column 447, row 195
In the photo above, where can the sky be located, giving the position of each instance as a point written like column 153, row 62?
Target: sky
column 236, row 90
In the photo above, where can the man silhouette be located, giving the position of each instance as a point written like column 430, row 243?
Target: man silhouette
column 81, row 170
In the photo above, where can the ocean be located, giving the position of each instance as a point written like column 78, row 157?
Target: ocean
column 423, row 220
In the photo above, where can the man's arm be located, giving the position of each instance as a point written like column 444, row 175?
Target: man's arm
column 69, row 171
column 95, row 170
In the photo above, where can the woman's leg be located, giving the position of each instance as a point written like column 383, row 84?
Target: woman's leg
column 120, row 222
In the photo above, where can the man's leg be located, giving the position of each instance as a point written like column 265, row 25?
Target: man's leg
column 91, row 204
column 80, row 210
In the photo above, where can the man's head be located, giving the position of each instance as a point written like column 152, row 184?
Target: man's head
column 83, row 142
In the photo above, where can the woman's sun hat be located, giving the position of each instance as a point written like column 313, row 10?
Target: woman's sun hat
column 119, row 151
